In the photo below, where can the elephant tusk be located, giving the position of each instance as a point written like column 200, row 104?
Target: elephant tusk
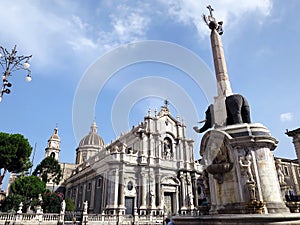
column 202, row 121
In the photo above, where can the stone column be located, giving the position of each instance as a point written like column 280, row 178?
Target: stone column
column 183, row 189
column 121, row 191
column 158, row 191
column 104, row 192
column 144, row 149
column 150, row 150
column 144, row 192
column 177, row 199
column 93, row 182
column 152, row 191
column 109, row 193
column 116, row 187
column 195, row 189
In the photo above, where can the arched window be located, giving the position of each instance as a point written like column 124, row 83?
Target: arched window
column 52, row 155
column 129, row 185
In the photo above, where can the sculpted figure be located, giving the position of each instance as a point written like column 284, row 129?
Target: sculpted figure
column 190, row 199
column 85, row 207
column 246, row 165
column 152, row 198
column 279, row 171
column 63, row 207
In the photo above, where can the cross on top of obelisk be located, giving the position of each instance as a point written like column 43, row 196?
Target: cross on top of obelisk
column 211, row 21
column 210, row 10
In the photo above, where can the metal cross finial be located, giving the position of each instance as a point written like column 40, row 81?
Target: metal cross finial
column 210, row 10
column 166, row 103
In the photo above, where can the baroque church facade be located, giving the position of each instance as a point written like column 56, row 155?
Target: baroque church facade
column 150, row 170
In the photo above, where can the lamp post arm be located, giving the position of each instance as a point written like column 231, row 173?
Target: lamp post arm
column 10, row 62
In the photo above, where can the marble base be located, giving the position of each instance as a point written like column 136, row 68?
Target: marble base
column 241, row 170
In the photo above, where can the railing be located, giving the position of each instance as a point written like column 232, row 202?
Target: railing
column 100, row 217
column 50, row 217
column 29, row 218
column 7, row 217
column 91, row 219
column 25, row 216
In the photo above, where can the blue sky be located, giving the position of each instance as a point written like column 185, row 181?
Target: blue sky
column 70, row 38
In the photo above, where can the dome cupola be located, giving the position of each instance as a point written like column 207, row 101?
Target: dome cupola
column 93, row 138
column 90, row 145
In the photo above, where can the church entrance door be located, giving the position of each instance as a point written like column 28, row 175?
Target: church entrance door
column 129, row 205
column 169, row 203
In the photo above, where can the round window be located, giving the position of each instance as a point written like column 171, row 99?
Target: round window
column 130, row 185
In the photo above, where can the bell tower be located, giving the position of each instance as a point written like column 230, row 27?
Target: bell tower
column 53, row 147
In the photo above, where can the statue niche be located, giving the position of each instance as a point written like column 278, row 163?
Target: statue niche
column 238, row 111
column 168, row 151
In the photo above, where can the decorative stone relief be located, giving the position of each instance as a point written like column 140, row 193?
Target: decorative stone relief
column 280, row 172
column 246, row 168
column 245, row 164
column 221, row 164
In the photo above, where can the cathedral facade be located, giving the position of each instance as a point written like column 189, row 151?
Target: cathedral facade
column 150, row 170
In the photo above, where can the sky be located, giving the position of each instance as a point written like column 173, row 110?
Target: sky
column 110, row 61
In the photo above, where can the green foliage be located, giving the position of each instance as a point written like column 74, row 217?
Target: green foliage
column 11, row 202
column 29, row 186
column 49, row 170
column 51, row 202
column 70, row 205
column 15, row 152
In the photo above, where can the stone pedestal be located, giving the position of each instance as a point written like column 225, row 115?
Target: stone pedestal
column 241, row 168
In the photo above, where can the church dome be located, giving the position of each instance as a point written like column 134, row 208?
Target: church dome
column 93, row 138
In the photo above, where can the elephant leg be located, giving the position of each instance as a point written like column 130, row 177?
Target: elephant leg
column 246, row 112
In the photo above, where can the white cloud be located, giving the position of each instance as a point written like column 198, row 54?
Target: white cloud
column 131, row 27
column 191, row 11
column 285, row 117
column 54, row 31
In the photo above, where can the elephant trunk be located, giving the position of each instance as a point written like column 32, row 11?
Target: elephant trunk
column 209, row 121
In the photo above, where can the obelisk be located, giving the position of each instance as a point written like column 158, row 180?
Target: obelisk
column 238, row 156
column 223, row 84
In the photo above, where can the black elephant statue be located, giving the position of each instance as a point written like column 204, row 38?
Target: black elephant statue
column 238, row 111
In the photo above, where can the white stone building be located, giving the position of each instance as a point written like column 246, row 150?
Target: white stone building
column 150, row 170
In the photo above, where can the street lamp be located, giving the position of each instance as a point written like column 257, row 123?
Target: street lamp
column 10, row 62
